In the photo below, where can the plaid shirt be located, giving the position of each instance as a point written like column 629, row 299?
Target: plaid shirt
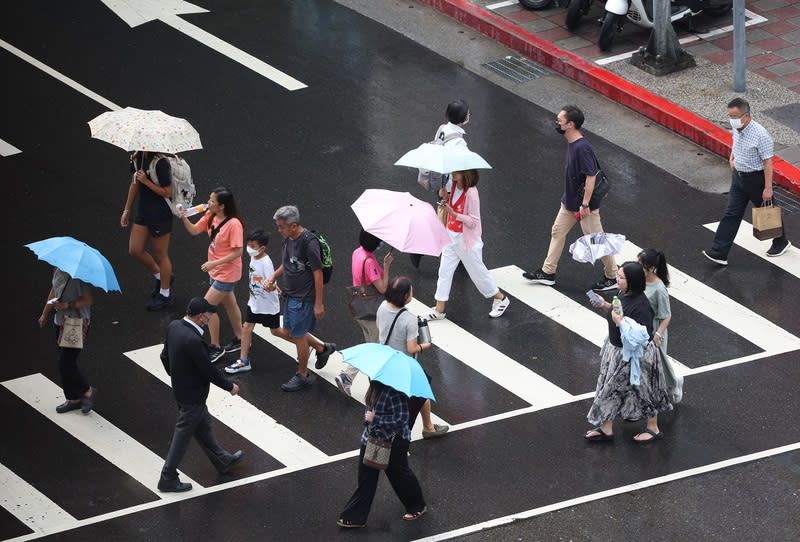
column 751, row 147
column 391, row 416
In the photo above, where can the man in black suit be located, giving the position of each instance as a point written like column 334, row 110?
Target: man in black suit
column 186, row 359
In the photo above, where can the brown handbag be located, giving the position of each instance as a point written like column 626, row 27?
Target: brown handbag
column 364, row 300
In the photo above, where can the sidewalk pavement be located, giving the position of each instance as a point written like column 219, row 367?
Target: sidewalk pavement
column 691, row 102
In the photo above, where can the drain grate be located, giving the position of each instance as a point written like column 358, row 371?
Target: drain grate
column 788, row 201
column 517, row 68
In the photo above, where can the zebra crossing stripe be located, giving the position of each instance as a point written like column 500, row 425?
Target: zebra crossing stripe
column 119, row 449
column 244, row 418
column 493, row 364
column 789, row 261
column 30, row 506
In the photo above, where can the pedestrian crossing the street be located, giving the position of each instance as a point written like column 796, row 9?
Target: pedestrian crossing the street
column 42, row 515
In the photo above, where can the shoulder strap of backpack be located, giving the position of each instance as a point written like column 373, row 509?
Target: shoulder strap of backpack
column 451, row 137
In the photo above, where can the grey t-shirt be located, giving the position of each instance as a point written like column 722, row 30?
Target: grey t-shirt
column 75, row 289
column 404, row 330
column 298, row 278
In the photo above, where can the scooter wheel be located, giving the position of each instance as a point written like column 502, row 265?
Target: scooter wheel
column 607, row 31
column 574, row 14
column 535, row 4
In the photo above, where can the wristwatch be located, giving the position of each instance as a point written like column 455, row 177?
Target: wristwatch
column 585, row 206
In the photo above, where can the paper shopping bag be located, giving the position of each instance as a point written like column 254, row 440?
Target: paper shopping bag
column 767, row 222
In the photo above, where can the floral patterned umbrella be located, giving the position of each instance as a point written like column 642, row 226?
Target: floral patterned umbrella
column 139, row 130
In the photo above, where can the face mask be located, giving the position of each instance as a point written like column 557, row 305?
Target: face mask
column 253, row 252
column 558, row 128
column 736, row 124
column 466, row 120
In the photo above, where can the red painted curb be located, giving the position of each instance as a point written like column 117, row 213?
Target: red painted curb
column 641, row 100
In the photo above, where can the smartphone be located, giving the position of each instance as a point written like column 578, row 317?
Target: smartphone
column 595, row 299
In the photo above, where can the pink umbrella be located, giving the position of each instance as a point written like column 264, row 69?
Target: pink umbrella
column 402, row 221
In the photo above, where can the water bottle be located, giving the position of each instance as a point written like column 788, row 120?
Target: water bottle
column 616, row 306
column 191, row 211
column 424, row 331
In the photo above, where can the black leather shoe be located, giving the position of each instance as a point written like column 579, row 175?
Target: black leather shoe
column 69, row 405
column 173, row 486
column 157, row 287
column 237, row 457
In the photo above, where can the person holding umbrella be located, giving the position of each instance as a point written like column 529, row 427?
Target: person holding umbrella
column 464, row 228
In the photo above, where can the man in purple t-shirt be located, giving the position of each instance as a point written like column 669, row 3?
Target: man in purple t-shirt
column 580, row 168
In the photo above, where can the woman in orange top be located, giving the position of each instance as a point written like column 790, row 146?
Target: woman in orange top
column 224, row 265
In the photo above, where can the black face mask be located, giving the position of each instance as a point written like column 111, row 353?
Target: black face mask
column 558, row 128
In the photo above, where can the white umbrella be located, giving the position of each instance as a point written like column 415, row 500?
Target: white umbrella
column 443, row 158
column 590, row 248
column 139, row 130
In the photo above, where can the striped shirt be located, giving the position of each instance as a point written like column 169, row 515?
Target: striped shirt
column 751, row 147
column 391, row 416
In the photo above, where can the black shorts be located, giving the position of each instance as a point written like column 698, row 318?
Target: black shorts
column 267, row 320
column 157, row 228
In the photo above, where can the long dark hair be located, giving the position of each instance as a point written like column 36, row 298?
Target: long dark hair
column 634, row 275
column 373, row 392
column 225, row 198
column 651, row 257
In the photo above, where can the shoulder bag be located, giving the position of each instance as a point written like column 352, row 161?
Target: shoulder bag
column 364, row 299
column 72, row 331
column 601, row 185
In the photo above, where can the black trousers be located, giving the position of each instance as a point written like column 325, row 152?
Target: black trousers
column 72, row 381
column 403, row 481
column 193, row 421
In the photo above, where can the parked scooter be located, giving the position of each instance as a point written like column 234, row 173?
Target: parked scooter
column 535, row 4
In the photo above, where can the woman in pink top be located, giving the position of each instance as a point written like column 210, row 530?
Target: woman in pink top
column 464, row 227
column 225, row 231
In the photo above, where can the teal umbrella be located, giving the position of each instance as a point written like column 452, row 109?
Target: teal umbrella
column 78, row 260
column 392, row 367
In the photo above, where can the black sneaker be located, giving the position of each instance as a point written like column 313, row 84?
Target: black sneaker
column 215, row 352
column 541, row 277
column 297, row 383
column 157, row 287
column 605, row 284
column 322, row 357
column 234, row 346
column 415, row 258
column 159, row 302
column 716, row 257
column 778, row 248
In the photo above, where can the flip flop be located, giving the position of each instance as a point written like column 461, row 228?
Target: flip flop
column 416, row 515
column 598, row 438
column 656, row 436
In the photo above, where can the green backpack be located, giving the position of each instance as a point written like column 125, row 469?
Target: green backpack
column 325, row 255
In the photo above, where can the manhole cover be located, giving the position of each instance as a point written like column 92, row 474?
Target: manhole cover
column 788, row 201
column 517, row 68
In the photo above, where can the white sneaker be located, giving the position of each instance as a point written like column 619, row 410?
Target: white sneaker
column 434, row 315
column 499, row 306
column 343, row 383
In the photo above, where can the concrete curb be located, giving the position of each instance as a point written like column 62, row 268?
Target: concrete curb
column 641, row 100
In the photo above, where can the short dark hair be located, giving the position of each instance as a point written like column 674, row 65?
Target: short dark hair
column 368, row 241
column 740, row 104
column 259, row 236
column 634, row 275
column 574, row 115
column 397, row 290
column 457, row 111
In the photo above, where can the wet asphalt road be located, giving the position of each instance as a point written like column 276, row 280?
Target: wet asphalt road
column 371, row 96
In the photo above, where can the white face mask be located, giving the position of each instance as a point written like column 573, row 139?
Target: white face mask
column 253, row 252
column 736, row 124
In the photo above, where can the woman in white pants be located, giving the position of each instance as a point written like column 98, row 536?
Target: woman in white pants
column 464, row 227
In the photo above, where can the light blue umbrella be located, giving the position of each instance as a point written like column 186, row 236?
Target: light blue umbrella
column 443, row 158
column 392, row 367
column 78, row 260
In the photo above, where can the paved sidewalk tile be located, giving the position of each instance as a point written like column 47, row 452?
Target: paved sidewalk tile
column 772, row 44
column 784, row 68
column 789, row 53
column 764, row 60
column 766, row 73
column 779, row 28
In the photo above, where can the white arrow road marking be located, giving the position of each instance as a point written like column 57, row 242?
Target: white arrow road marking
column 244, row 418
column 94, row 431
column 7, row 149
column 789, row 261
column 58, row 75
column 139, row 12
column 30, row 506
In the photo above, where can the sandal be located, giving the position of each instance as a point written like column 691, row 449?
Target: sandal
column 597, row 438
column 347, row 524
column 655, row 436
column 416, row 515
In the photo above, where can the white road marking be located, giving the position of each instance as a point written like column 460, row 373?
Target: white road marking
column 30, row 506
column 244, row 418
column 493, row 364
column 789, row 261
column 116, row 446
column 7, row 149
column 499, row 5
column 752, row 19
column 58, row 75
column 611, row 492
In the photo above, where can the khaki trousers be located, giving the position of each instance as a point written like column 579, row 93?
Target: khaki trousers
column 565, row 220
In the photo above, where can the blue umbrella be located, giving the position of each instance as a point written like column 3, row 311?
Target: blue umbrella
column 78, row 260
column 392, row 367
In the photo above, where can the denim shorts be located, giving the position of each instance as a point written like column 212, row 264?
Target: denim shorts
column 222, row 286
column 299, row 317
